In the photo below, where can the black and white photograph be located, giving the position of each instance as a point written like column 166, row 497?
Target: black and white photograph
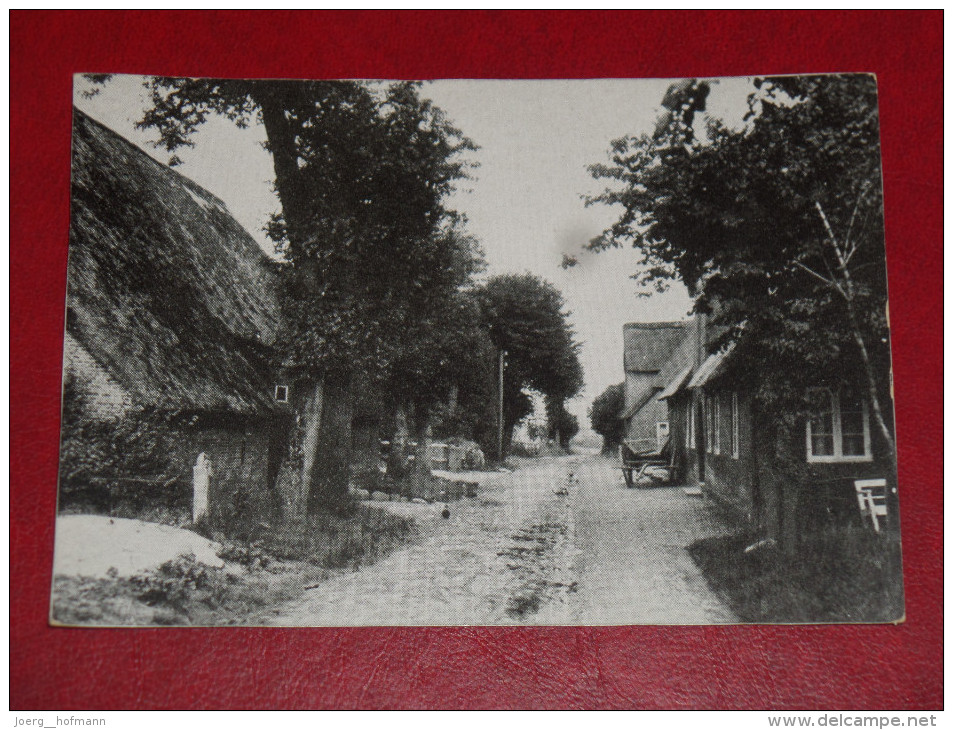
column 464, row 352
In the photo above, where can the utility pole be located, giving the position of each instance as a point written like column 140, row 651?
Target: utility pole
column 499, row 443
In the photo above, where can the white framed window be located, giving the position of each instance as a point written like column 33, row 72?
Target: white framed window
column 735, row 422
column 690, row 425
column 281, row 393
column 708, row 413
column 716, row 417
column 838, row 428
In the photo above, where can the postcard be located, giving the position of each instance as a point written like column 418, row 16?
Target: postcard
column 476, row 352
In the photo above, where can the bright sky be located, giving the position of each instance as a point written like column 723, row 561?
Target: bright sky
column 525, row 204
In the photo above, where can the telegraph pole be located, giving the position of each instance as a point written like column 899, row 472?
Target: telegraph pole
column 499, row 443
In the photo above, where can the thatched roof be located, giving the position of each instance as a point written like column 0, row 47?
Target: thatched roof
column 165, row 289
column 648, row 345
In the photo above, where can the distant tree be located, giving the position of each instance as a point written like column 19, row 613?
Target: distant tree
column 563, row 425
column 525, row 318
column 776, row 229
column 440, row 378
column 605, row 415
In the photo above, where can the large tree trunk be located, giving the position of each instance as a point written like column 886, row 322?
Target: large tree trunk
column 331, row 468
column 410, row 478
column 310, row 426
column 272, row 98
column 325, row 432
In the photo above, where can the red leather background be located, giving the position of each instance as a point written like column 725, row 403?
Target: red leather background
column 762, row 667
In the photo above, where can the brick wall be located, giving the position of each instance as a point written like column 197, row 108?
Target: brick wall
column 104, row 397
column 730, row 480
column 241, row 492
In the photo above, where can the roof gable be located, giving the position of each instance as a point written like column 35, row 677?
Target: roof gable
column 165, row 288
column 648, row 345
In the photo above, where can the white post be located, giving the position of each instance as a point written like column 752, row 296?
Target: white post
column 200, row 478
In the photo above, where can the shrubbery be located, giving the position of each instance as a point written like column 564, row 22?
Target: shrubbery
column 177, row 582
column 99, row 460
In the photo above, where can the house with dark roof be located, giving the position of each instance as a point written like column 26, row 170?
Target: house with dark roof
column 780, row 482
column 658, row 357
column 172, row 315
column 648, row 347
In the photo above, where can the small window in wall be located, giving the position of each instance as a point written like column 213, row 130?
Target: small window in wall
column 735, row 419
column 281, row 393
column 838, row 428
column 716, row 417
column 708, row 411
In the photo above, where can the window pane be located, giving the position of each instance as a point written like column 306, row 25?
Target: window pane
column 852, row 423
column 853, row 445
column 850, row 400
column 822, row 445
column 822, row 424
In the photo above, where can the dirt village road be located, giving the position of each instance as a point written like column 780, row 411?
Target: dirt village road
column 535, row 547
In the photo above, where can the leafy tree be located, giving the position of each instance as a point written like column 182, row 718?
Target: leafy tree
column 469, row 409
column 361, row 172
column 776, row 228
column 525, row 318
column 385, row 259
column 605, row 415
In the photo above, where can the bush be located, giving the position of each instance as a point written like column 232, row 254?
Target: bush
column 605, row 415
column 122, row 467
column 251, row 556
column 177, row 582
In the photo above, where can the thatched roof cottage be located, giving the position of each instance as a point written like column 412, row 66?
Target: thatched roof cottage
column 172, row 311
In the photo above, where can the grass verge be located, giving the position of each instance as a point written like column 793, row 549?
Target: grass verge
column 843, row 575
column 258, row 576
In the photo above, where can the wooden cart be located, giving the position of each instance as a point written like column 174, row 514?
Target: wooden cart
column 643, row 459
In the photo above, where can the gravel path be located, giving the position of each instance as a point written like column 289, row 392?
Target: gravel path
column 632, row 563
column 535, row 547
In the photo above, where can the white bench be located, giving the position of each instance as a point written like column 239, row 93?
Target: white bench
column 872, row 500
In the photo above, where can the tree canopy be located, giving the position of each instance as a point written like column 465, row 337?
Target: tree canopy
column 374, row 262
column 525, row 317
column 605, row 415
column 776, row 228
column 362, row 172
